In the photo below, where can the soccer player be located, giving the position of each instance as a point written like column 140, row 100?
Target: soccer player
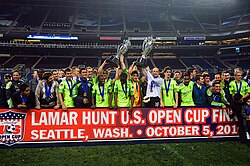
column 199, row 91
column 101, row 70
column 55, row 75
column 61, row 74
column 123, row 93
column 239, row 86
column 136, row 85
column 192, row 72
column 216, row 96
column 89, row 72
column 65, row 90
column 177, row 77
column 91, row 76
column 102, row 93
column 47, row 93
column 82, row 91
column 169, row 94
column 186, row 89
column 12, row 87
column 153, row 87
column 7, row 78
column 25, row 99
column 217, row 77
column 207, row 81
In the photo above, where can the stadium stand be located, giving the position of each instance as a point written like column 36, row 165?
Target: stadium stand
column 54, row 62
column 174, row 63
column 189, row 62
column 222, row 30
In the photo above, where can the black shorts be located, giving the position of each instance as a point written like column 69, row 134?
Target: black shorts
column 153, row 103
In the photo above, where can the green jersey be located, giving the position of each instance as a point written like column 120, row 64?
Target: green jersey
column 168, row 90
column 242, row 87
column 124, row 92
column 65, row 88
column 186, row 94
column 93, row 80
column 101, row 94
column 216, row 99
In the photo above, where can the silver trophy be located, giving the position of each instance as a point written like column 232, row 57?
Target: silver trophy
column 122, row 49
column 147, row 46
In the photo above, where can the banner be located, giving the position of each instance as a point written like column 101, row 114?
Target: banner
column 49, row 127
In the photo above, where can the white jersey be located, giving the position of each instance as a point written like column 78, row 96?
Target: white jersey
column 154, row 85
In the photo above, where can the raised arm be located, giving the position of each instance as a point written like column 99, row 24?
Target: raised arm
column 100, row 69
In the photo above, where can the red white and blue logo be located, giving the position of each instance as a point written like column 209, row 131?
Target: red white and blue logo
column 11, row 127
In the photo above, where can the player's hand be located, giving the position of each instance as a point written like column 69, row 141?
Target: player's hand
column 231, row 112
column 85, row 101
column 64, row 108
column 224, row 106
column 106, row 62
column 38, row 107
column 175, row 105
column 56, row 107
column 130, row 110
column 162, row 105
column 147, row 68
column 20, row 106
column 115, row 107
column 93, row 106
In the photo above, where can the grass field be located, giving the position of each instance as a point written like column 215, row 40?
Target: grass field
column 203, row 153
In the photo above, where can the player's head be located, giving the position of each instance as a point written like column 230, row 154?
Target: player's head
column 238, row 75
column 48, row 77
column 83, row 73
column 217, row 76
column 226, row 76
column 25, row 90
column 216, row 86
column 68, row 73
column 167, row 71
column 123, row 77
column 40, row 73
column 61, row 73
column 155, row 72
column 55, row 74
column 75, row 71
column 135, row 76
column 89, row 71
column 7, row 78
column 177, row 75
column 199, row 79
column 192, row 72
column 206, row 77
column 186, row 79
column 105, row 74
column 16, row 75
column 101, row 79
column 248, row 101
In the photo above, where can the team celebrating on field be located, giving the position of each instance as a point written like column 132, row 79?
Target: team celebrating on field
column 130, row 88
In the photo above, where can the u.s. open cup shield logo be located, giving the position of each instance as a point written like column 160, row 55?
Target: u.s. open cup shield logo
column 11, row 127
